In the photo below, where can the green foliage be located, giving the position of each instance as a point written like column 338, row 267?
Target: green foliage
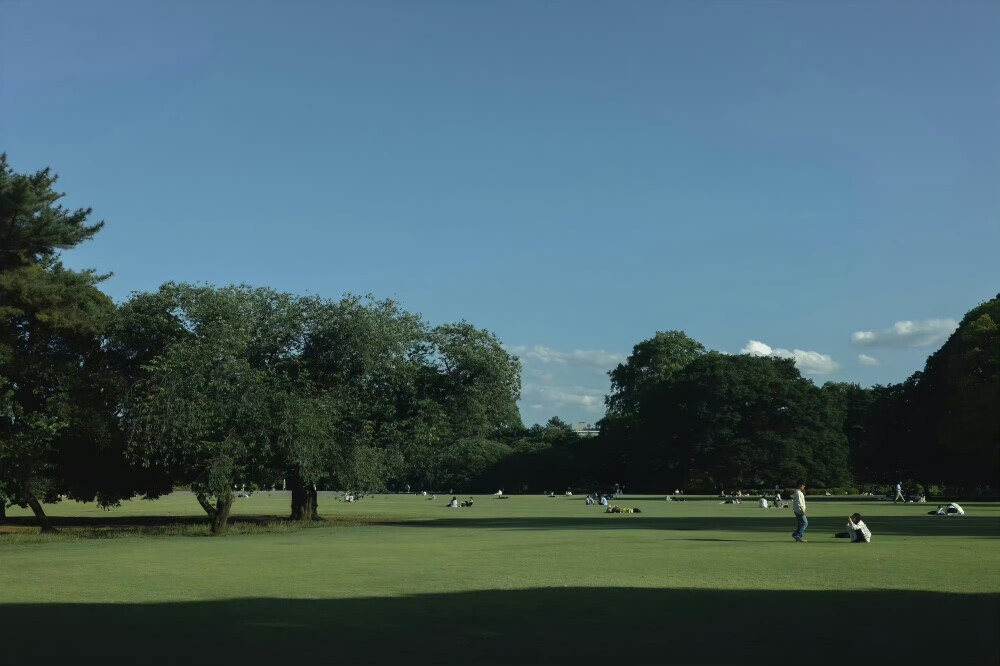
column 58, row 428
column 651, row 363
column 32, row 223
column 212, row 407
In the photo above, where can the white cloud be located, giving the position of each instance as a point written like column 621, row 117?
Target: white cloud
column 865, row 359
column 593, row 358
column 811, row 362
column 554, row 397
column 756, row 348
column 904, row 334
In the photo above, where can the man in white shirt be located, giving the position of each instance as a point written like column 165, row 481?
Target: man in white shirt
column 763, row 503
column 799, row 507
column 858, row 530
column 899, row 494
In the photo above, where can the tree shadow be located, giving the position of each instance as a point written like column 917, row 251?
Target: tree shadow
column 917, row 526
column 534, row 626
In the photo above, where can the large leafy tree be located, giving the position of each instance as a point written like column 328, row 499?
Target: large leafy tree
column 651, row 363
column 465, row 405
column 740, row 420
column 365, row 355
column 958, row 398
column 58, row 434
column 637, row 384
column 221, row 403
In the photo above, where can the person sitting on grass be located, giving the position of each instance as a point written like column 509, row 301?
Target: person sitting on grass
column 453, row 504
column 763, row 503
column 467, row 502
column 589, row 501
column 857, row 529
column 604, row 500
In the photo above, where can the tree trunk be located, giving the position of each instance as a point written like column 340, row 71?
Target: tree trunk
column 218, row 514
column 305, row 504
column 220, row 521
column 43, row 520
column 205, row 504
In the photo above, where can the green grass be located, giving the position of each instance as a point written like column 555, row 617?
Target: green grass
column 395, row 579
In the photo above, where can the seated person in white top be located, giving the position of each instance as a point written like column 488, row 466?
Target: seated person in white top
column 604, row 500
column 453, row 504
column 858, row 530
column 763, row 503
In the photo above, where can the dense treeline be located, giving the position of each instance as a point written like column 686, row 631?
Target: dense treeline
column 216, row 389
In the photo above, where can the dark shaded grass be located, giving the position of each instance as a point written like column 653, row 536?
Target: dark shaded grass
column 552, row 626
column 24, row 529
column 767, row 522
column 917, row 526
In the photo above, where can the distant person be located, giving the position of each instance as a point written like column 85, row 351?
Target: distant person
column 763, row 503
column 498, row 494
column 589, row 501
column 858, row 530
column 799, row 508
column 468, row 502
column 432, row 497
column 604, row 500
column 453, row 504
column 899, row 494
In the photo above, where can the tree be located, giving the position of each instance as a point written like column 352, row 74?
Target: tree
column 57, row 430
column 365, row 356
column 474, row 380
column 959, row 395
column 651, row 363
column 217, row 407
column 742, row 420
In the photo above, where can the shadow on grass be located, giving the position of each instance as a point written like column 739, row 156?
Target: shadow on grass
column 24, row 529
column 550, row 625
column 923, row 525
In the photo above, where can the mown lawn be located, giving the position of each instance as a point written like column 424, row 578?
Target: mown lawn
column 395, row 579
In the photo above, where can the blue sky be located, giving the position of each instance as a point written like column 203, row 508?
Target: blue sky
column 574, row 176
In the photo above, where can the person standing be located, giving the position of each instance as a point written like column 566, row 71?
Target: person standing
column 799, row 507
column 899, row 494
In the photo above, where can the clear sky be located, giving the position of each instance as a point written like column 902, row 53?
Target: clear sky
column 777, row 177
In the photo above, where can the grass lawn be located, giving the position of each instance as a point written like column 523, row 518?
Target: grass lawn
column 400, row 579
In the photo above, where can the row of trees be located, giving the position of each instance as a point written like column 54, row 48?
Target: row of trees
column 219, row 388
column 679, row 414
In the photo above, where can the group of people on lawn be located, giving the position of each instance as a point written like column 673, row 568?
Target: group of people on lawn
column 857, row 530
